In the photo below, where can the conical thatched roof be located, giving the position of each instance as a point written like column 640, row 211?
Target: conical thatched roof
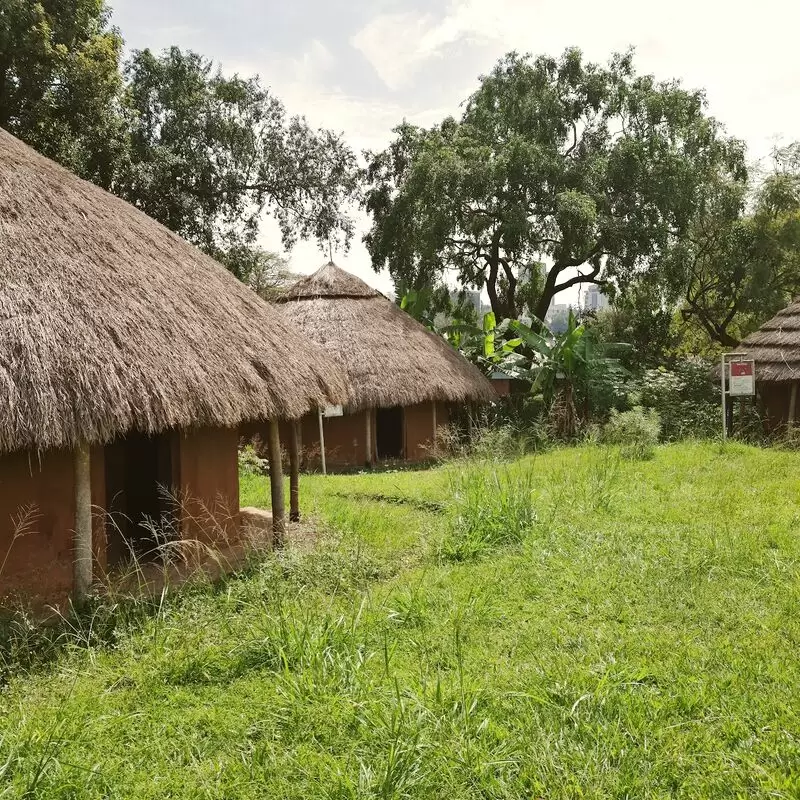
column 775, row 346
column 110, row 322
column 389, row 358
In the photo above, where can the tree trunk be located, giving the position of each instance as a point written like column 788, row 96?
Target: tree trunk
column 716, row 332
column 276, row 484
column 294, row 472
column 548, row 293
column 502, row 308
column 726, row 340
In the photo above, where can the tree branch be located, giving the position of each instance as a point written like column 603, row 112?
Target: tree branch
column 591, row 277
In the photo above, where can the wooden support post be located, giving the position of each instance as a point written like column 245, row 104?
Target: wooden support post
column 276, row 484
column 322, row 441
column 792, row 405
column 83, row 572
column 435, row 432
column 368, row 414
column 294, row 472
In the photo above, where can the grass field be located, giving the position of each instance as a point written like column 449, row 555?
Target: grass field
column 567, row 626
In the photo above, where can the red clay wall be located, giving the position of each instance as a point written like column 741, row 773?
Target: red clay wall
column 208, row 476
column 345, row 437
column 501, row 386
column 41, row 558
column 38, row 564
column 419, row 436
column 39, row 489
column 345, row 440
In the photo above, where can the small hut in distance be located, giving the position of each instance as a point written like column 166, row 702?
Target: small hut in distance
column 775, row 348
column 403, row 380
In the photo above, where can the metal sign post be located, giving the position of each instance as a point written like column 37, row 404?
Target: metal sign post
column 322, row 441
column 738, row 378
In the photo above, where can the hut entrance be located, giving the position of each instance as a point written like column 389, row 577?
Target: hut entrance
column 389, row 432
column 141, row 515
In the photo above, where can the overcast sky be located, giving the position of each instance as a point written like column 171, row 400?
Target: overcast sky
column 361, row 66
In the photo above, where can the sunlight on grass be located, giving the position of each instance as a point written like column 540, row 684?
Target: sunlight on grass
column 634, row 633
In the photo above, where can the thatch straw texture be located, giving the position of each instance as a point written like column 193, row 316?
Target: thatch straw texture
column 775, row 346
column 388, row 357
column 110, row 322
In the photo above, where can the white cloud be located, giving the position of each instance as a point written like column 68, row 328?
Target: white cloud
column 744, row 56
column 302, row 85
column 393, row 44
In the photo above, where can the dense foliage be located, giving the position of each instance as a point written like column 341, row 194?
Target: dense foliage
column 585, row 167
column 202, row 152
column 60, row 83
column 739, row 261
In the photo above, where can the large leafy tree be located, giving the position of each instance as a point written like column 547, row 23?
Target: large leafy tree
column 60, row 82
column 203, row 153
column 740, row 259
column 209, row 153
column 591, row 169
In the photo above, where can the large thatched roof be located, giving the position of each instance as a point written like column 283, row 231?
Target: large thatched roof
column 110, row 322
column 775, row 346
column 389, row 358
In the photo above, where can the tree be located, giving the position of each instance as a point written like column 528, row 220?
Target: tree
column 60, row 82
column 210, row 153
column 740, row 260
column 266, row 273
column 202, row 153
column 645, row 319
column 594, row 170
column 564, row 368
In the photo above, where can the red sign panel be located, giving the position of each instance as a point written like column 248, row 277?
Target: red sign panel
column 740, row 369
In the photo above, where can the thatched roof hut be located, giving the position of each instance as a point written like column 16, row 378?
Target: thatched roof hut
column 775, row 346
column 109, row 322
column 389, row 358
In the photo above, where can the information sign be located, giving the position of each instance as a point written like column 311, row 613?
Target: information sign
column 742, row 379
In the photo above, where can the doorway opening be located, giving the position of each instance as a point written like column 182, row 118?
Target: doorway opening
column 141, row 515
column 389, row 432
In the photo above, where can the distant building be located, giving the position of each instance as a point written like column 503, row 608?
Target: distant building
column 555, row 309
column 594, row 299
column 470, row 296
column 557, row 317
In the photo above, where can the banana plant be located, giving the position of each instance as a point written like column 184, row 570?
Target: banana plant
column 557, row 366
column 488, row 346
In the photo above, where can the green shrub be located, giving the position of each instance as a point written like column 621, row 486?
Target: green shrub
column 498, row 442
column 491, row 508
column 250, row 463
column 685, row 398
column 635, row 431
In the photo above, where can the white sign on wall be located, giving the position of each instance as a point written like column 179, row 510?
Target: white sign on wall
column 333, row 411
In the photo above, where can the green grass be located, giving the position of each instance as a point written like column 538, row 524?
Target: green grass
column 636, row 634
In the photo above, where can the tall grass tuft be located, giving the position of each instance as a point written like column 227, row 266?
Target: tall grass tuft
column 635, row 431
column 135, row 591
column 491, row 507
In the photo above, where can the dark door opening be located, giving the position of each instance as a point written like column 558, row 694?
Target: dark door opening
column 389, row 432
column 141, row 515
